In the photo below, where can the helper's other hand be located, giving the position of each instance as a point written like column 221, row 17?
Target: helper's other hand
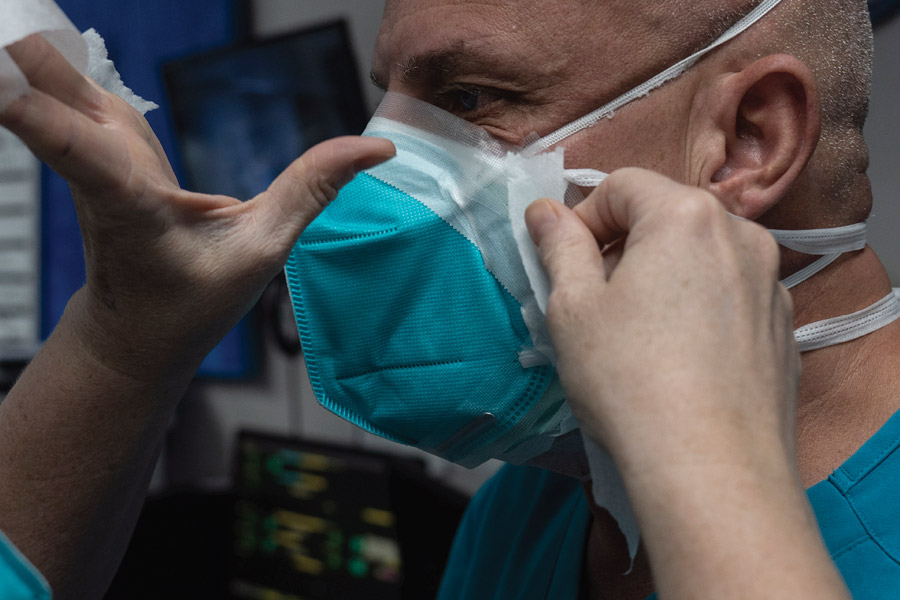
column 168, row 271
column 678, row 355
column 680, row 347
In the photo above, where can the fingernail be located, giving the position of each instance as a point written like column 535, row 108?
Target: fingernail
column 540, row 217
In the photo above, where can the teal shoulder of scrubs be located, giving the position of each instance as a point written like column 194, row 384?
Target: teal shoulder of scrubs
column 524, row 533
column 19, row 580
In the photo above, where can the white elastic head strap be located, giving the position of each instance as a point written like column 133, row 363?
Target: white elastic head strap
column 645, row 88
column 831, row 243
column 585, row 177
column 838, row 330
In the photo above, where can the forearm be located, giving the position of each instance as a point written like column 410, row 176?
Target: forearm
column 732, row 526
column 78, row 442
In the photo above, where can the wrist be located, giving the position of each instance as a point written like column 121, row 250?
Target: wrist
column 731, row 463
column 702, row 518
column 129, row 344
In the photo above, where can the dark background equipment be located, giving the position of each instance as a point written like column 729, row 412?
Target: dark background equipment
column 304, row 521
column 882, row 10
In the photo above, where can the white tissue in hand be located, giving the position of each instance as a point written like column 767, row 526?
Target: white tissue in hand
column 103, row 71
column 542, row 176
column 528, row 179
column 608, row 490
column 21, row 18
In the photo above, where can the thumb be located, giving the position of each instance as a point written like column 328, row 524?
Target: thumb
column 566, row 246
column 311, row 182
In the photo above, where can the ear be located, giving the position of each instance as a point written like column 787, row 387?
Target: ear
column 759, row 128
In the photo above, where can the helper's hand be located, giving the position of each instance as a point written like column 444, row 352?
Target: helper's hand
column 168, row 271
column 685, row 336
column 677, row 353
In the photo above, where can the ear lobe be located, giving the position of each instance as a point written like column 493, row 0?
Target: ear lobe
column 767, row 121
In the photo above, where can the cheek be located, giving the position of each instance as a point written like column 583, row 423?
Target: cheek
column 639, row 135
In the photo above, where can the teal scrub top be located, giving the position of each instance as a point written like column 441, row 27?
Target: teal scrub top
column 18, row 579
column 523, row 534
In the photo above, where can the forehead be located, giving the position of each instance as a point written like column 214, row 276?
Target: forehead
column 596, row 44
column 508, row 30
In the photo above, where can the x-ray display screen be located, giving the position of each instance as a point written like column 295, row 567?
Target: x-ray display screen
column 242, row 115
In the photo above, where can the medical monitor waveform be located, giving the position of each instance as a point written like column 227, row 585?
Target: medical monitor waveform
column 313, row 522
column 242, row 114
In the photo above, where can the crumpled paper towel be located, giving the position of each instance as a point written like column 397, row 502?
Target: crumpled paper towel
column 542, row 176
column 86, row 53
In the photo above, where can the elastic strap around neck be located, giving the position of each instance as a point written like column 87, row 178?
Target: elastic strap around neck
column 838, row 330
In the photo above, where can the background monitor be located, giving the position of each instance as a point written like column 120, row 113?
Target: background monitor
column 319, row 522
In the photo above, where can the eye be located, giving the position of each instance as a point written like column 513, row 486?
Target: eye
column 466, row 100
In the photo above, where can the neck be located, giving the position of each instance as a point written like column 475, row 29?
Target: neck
column 848, row 391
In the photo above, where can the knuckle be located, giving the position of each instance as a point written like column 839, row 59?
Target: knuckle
column 786, row 299
column 621, row 182
column 321, row 190
column 99, row 104
column 306, row 178
column 13, row 117
column 695, row 208
column 555, row 249
column 763, row 246
column 625, row 176
column 65, row 149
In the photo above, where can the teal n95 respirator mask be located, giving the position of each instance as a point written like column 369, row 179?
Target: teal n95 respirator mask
column 418, row 318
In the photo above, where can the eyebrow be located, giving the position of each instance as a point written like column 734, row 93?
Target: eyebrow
column 436, row 67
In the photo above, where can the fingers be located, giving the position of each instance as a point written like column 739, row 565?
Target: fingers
column 57, row 119
column 311, row 182
column 566, row 246
column 629, row 197
column 47, row 70
column 62, row 137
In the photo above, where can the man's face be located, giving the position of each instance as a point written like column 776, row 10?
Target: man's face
column 516, row 68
